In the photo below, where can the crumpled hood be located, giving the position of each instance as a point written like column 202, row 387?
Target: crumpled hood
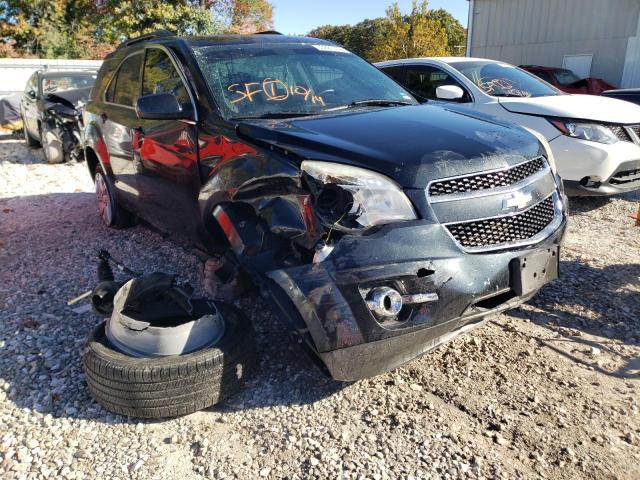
column 583, row 107
column 412, row 145
column 70, row 98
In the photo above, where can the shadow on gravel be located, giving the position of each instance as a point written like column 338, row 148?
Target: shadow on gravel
column 595, row 301
column 579, row 205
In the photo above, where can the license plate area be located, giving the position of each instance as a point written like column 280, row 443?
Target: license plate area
column 529, row 272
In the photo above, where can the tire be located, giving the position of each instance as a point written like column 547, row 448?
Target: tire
column 52, row 148
column 29, row 141
column 163, row 387
column 111, row 213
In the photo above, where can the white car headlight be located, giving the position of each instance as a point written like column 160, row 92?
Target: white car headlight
column 350, row 198
column 594, row 132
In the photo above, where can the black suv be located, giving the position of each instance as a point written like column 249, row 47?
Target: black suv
column 378, row 227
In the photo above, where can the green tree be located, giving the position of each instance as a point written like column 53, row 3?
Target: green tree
column 455, row 32
column 90, row 29
column 415, row 35
column 422, row 33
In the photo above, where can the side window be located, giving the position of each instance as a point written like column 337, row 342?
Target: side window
column 397, row 73
column 424, row 80
column 125, row 87
column 160, row 76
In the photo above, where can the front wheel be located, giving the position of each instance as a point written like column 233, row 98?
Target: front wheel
column 52, row 147
column 111, row 213
column 28, row 139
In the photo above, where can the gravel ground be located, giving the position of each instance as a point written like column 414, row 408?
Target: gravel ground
column 548, row 390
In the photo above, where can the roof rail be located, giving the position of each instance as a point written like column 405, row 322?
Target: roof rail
column 147, row 36
column 268, row 32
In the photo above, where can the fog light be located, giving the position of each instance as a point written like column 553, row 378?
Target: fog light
column 384, row 302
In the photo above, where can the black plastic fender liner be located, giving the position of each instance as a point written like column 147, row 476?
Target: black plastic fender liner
column 174, row 385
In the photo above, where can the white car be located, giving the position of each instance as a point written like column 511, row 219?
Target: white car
column 595, row 140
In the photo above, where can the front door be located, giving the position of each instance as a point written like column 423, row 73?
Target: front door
column 169, row 181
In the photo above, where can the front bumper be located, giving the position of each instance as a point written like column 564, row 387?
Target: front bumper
column 326, row 305
column 594, row 169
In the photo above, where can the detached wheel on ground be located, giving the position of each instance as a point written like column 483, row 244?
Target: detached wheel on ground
column 111, row 213
column 174, row 385
column 28, row 139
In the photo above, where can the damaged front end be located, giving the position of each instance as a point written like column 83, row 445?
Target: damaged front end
column 372, row 275
column 62, row 125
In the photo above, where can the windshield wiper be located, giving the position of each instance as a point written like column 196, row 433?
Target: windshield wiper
column 372, row 102
column 275, row 115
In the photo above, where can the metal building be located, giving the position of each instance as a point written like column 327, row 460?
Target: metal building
column 598, row 38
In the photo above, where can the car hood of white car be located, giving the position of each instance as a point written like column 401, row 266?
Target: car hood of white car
column 583, row 107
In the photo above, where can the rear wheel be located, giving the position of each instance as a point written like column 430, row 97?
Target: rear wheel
column 28, row 139
column 111, row 213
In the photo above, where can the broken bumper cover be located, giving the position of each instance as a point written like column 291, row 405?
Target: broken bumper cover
column 327, row 299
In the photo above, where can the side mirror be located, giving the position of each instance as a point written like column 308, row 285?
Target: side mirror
column 163, row 106
column 449, row 92
column 31, row 94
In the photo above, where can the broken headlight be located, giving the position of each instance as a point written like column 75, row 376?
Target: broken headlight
column 348, row 198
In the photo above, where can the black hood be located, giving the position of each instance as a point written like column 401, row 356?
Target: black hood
column 412, row 145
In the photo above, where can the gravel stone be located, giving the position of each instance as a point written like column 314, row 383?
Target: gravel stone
column 465, row 410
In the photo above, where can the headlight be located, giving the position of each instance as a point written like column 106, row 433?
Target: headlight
column 586, row 131
column 349, row 197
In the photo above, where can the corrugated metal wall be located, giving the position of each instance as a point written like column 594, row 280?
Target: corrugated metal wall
column 543, row 31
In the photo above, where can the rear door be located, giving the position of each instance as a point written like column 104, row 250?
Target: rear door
column 169, row 180
column 118, row 123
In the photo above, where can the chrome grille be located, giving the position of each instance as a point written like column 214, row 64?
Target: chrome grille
column 636, row 130
column 486, row 181
column 504, row 230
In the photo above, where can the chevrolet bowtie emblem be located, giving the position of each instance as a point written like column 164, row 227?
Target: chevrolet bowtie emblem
column 517, row 201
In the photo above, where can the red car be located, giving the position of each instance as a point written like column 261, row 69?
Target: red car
column 567, row 81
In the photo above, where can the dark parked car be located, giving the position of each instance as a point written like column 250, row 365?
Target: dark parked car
column 376, row 227
column 567, row 81
column 629, row 94
column 51, row 106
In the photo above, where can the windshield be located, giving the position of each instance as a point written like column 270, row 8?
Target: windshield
column 280, row 79
column 66, row 82
column 504, row 80
column 565, row 77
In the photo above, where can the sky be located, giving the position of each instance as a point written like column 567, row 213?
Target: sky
column 301, row 16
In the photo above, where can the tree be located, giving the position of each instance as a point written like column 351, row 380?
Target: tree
column 358, row 38
column 455, row 32
column 90, row 29
column 415, row 35
column 250, row 16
